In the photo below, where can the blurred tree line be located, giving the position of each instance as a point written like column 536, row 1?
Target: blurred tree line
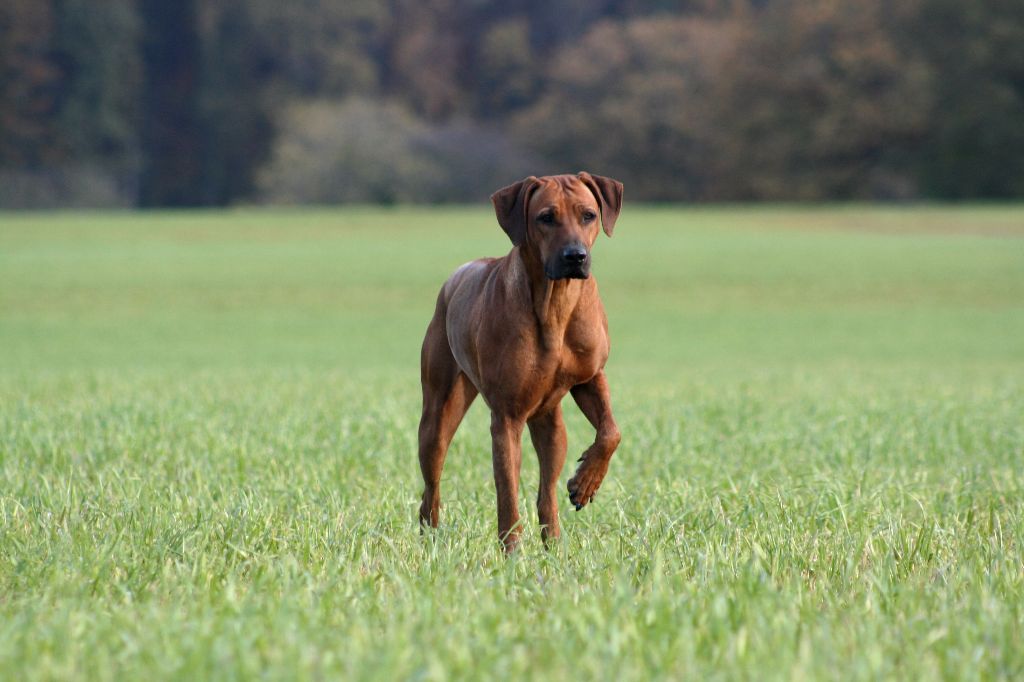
column 157, row 103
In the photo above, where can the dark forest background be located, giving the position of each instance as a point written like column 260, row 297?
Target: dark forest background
column 181, row 103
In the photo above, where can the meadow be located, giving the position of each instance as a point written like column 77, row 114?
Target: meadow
column 208, row 467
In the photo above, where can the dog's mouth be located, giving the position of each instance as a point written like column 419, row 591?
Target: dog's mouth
column 569, row 272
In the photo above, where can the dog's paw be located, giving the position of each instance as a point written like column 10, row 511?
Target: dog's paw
column 585, row 482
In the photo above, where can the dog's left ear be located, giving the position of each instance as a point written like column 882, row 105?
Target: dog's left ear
column 510, row 204
column 608, row 193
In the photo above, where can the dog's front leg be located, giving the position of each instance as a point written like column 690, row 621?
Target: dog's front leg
column 594, row 400
column 506, row 452
column 548, row 434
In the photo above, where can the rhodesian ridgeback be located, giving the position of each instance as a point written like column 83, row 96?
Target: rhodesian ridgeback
column 522, row 331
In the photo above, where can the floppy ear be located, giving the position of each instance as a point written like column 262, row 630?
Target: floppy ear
column 510, row 205
column 608, row 193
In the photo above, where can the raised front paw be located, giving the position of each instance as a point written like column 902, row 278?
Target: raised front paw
column 587, row 479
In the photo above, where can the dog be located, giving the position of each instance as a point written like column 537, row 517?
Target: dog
column 522, row 331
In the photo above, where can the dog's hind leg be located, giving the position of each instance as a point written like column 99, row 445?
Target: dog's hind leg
column 547, row 431
column 447, row 394
column 506, row 456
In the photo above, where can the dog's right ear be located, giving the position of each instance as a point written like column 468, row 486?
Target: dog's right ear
column 510, row 204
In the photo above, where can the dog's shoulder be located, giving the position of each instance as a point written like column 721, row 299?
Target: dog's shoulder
column 470, row 277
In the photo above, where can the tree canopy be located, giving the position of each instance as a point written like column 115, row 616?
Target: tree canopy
column 145, row 102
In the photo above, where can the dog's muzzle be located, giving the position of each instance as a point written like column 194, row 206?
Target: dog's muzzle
column 573, row 262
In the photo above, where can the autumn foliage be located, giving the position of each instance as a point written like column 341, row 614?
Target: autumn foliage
column 145, row 102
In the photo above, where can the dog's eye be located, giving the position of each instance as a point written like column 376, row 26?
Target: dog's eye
column 589, row 216
column 546, row 218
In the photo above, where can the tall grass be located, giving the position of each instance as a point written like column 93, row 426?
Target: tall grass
column 207, row 461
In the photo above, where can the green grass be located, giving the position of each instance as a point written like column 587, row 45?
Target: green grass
column 207, row 461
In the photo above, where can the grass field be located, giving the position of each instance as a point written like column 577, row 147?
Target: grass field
column 207, row 462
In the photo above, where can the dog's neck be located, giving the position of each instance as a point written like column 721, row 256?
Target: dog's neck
column 553, row 301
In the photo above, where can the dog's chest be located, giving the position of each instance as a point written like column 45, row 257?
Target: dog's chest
column 580, row 356
column 525, row 373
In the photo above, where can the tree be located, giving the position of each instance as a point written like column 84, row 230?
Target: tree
column 507, row 70
column 636, row 101
column 171, row 134
column 98, row 50
column 234, row 107
column 824, row 103
column 30, row 82
column 975, row 146
column 368, row 151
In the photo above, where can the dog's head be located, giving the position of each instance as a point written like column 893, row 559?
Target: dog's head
column 557, row 218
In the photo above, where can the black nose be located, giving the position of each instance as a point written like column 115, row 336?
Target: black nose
column 574, row 255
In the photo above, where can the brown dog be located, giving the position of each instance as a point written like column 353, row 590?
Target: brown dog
column 523, row 331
